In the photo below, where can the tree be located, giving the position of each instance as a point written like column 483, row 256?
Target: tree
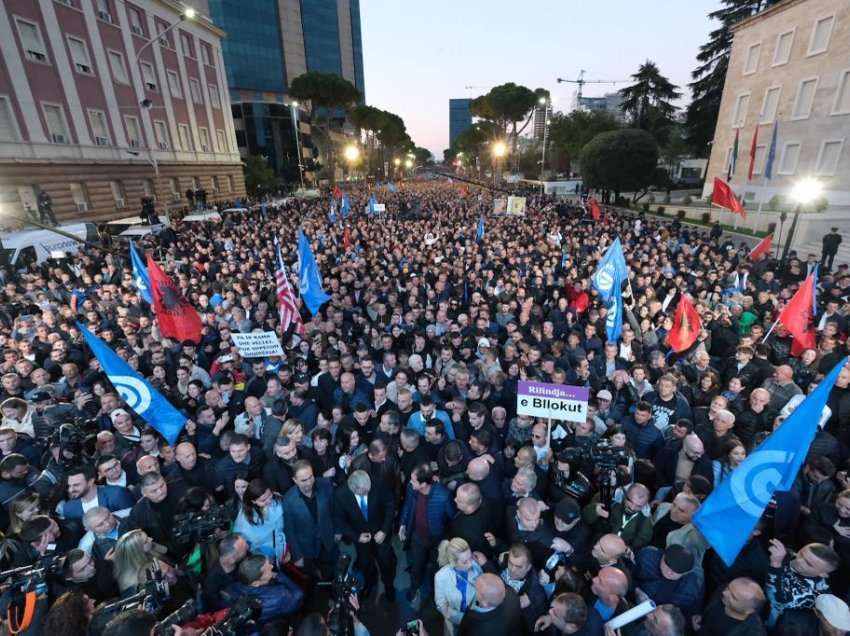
column 328, row 94
column 259, row 175
column 474, row 143
column 648, row 102
column 568, row 134
column 423, row 156
column 710, row 76
column 620, row 160
column 505, row 106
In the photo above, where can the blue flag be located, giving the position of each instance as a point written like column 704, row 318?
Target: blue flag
column 391, row 187
column 136, row 392
column 309, row 280
column 372, row 203
column 479, row 231
column 614, row 318
column 332, row 215
column 140, row 275
column 771, row 153
column 344, row 206
column 611, row 271
column 730, row 513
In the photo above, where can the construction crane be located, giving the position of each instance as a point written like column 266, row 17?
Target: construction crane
column 581, row 82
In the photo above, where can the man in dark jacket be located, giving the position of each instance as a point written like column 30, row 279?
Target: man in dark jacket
column 519, row 574
column 496, row 609
column 308, row 519
column 279, row 596
column 669, row 577
column 735, row 611
column 830, row 245
column 680, row 459
column 154, row 512
column 473, row 522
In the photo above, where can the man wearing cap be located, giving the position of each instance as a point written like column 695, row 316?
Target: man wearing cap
column 669, row 577
column 830, row 245
column 830, row 617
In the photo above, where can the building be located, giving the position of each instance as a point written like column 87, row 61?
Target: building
column 789, row 68
column 271, row 42
column 460, row 117
column 103, row 102
column 610, row 103
column 538, row 123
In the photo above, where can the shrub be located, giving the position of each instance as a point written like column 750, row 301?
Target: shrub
column 660, row 210
column 645, row 207
column 821, row 204
column 706, row 217
column 775, row 202
column 680, row 214
column 688, row 200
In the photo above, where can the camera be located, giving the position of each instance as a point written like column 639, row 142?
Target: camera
column 341, row 616
column 412, row 628
column 604, row 456
column 555, row 560
column 245, row 610
column 200, row 526
column 182, row 614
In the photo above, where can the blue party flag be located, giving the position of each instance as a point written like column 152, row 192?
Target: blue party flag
column 140, row 275
column 479, row 231
column 309, row 279
column 611, row 271
column 332, row 216
column 344, row 206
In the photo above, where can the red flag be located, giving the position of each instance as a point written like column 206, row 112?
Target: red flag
column 346, row 239
column 337, row 192
column 797, row 318
column 762, row 248
column 753, row 154
column 177, row 318
column 724, row 197
column 595, row 210
column 686, row 326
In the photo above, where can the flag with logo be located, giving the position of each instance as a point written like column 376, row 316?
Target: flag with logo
column 608, row 281
column 771, row 153
column 140, row 275
column 686, row 326
column 286, row 304
column 309, row 279
column 479, row 230
column 344, row 206
column 177, row 318
column 731, row 512
column 136, row 392
column 372, row 203
column 332, row 217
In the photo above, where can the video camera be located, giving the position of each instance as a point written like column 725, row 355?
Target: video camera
column 245, row 610
column 341, row 616
column 150, row 598
column 200, row 526
column 71, row 440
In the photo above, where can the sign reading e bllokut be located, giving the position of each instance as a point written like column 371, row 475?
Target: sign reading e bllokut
column 554, row 401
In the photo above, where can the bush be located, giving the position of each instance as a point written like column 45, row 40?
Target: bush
column 645, row 207
column 680, row 214
column 775, row 202
column 660, row 210
column 687, row 200
column 821, row 204
column 706, row 217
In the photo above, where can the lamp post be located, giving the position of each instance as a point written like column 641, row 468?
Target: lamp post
column 294, row 111
column 351, row 153
column 498, row 149
column 188, row 14
column 547, row 103
column 804, row 192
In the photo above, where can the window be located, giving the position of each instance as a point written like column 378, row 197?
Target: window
column 161, row 134
column 164, row 38
column 216, row 185
column 195, row 89
column 185, row 139
column 770, row 105
column 99, row 129
column 206, row 54
column 186, row 45
column 222, row 140
column 174, row 84
column 103, row 10
column 8, row 125
column 741, row 106
column 148, row 76
column 215, row 99
column 842, row 95
column 31, row 41
column 820, row 35
column 117, row 193
column 805, row 98
column 148, row 188
column 758, row 161
column 174, row 184
column 204, row 134
column 135, row 21
column 752, row 63
column 134, row 133
column 828, row 157
column 80, row 56
column 228, row 181
column 56, row 126
column 790, row 156
column 80, row 197
column 116, row 65
column 784, row 42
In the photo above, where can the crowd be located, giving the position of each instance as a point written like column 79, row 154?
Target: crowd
column 389, row 431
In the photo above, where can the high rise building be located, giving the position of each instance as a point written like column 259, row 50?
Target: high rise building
column 610, row 103
column 271, row 42
column 460, row 117
column 103, row 102
column 542, row 112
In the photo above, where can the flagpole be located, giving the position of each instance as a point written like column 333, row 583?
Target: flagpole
column 770, row 331
column 761, row 204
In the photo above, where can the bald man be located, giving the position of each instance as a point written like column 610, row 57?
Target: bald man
column 736, row 610
column 781, row 387
column 715, row 435
column 474, row 522
column 481, row 472
column 679, row 460
column 609, row 589
column 189, row 470
column 496, row 609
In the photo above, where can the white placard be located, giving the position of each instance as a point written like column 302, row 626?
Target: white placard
column 257, row 344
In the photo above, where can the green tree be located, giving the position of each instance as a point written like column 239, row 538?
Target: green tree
column 710, row 76
column 620, row 160
column 505, row 106
column 569, row 133
column 423, row 156
column 474, row 143
column 328, row 94
column 648, row 102
column 258, row 174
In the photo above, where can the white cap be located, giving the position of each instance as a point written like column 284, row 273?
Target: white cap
column 834, row 610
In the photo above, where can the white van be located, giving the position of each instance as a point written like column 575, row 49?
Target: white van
column 20, row 249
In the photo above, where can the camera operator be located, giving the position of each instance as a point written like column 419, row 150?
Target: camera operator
column 566, row 478
column 315, row 624
column 37, row 537
column 629, row 519
column 222, row 573
column 280, row 597
column 11, row 442
column 16, row 475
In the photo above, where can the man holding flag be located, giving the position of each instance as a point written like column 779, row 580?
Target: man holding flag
column 140, row 275
column 608, row 281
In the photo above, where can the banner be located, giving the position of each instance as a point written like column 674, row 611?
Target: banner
column 500, row 205
column 516, row 206
column 554, row 401
column 257, row 344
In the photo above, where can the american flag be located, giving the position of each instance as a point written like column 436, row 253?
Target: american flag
column 286, row 298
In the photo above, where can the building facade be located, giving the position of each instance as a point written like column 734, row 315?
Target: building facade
column 103, row 102
column 271, row 42
column 789, row 73
column 460, row 117
column 610, row 103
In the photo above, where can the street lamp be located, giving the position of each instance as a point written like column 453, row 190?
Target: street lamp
column 351, row 153
column 498, row 149
column 188, row 14
column 547, row 103
column 294, row 112
column 804, row 192
column 408, row 163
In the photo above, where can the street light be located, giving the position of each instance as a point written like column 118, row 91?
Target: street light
column 351, row 153
column 804, row 192
column 295, row 125
column 498, row 149
column 408, row 163
column 396, row 162
column 188, row 14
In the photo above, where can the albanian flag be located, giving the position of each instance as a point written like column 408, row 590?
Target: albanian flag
column 346, row 239
column 595, row 209
column 797, row 318
column 724, row 197
column 762, row 248
column 686, row 326
column 177, row 318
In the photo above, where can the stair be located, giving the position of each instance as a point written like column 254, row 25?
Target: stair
column 815, row 247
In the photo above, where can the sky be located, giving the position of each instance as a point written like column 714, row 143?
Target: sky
column 418, row 54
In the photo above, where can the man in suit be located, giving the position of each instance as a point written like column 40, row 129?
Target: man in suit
column 496, row 609
column 364, row 516
column 308, row 519
column 84, row 494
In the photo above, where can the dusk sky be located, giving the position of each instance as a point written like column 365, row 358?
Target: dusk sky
column 419, row 54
